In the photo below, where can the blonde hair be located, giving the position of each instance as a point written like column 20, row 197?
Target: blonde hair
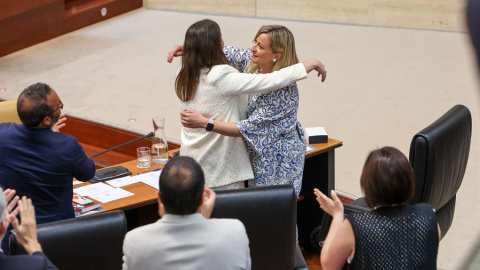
column 281, row 41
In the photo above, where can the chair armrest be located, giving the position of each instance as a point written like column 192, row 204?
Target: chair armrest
column 300, row 263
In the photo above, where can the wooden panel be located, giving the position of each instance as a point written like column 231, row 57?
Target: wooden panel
column 231, row 7
column 24, row 23
column 14, row 7
column 79, row 14
column 104, row 137
column 31, row 27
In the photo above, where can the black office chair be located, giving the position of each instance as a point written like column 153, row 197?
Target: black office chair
column 439, row 156
column 269, row 215
column 89, row 242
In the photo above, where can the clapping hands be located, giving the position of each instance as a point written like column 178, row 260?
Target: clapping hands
column 332, row 206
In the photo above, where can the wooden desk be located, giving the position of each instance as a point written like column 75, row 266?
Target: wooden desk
column 144, row 194
column 319, row 173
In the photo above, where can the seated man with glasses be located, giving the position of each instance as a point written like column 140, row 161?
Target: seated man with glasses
column 38, row 162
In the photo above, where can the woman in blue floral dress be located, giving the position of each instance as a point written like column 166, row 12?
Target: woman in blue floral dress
column 273, row 136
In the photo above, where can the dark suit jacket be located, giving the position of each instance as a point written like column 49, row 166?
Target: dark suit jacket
column 37, row 261
column 41, row 164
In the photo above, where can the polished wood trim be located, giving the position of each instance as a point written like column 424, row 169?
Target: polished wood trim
column 24, row 23
column 319, row 147
column 14, row 7
column 31, row 25
column 79, row 14
column 322, row 147
column 96, row 137
column 103, row 136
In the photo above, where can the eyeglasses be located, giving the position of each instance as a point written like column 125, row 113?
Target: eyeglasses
column 59, row 107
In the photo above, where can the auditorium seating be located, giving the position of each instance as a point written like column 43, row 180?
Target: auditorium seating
column 91, row 242
column 269, row 216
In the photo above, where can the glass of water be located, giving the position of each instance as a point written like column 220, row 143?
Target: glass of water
column 143, row 157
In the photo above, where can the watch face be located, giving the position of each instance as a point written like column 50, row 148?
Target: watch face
column 209, row 126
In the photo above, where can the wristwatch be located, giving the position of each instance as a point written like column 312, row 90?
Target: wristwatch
column 209, row 126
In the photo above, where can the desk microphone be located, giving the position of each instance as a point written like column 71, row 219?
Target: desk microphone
column 123, row 144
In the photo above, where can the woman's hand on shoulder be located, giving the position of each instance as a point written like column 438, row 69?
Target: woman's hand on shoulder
column 333, row 206
column 314, row 64
column 177, row 50
column 193, row 119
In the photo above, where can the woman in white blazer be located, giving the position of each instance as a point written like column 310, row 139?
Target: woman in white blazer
column 206, row 83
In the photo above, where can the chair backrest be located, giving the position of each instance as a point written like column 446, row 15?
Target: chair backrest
column 269, row 215
column 439, row 155
column 8, row 112
column 87, row 242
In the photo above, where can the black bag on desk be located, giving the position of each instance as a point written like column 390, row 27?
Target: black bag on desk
column 109, row 174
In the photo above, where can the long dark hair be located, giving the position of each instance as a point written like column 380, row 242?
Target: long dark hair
column 202, row 49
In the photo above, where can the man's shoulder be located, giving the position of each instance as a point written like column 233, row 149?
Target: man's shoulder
column 143, row 231
column 23, row 262
column 227, row 225
column 8, row 126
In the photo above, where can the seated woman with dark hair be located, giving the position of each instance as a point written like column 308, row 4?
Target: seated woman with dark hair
column 394, row 235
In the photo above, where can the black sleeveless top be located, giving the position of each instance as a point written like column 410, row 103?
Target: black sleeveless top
column 395, row 237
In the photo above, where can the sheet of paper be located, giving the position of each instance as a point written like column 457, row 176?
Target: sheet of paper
column 111, row 195
column 124, row 181
column 150, row 178
column 309, row 148
column 92, row 189
column 76, row 182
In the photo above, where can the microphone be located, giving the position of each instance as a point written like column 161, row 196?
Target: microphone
column 123, row 144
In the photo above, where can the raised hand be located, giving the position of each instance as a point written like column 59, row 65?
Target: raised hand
column 209, row 197
column 11, row 200
column 333, row 206
column 60, row 123
column 314, row 64
column 27, row 230
column 177, row 50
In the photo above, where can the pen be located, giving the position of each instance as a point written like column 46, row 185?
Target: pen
column 159, row 169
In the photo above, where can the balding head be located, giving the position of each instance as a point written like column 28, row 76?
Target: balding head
column 32, row 104
column 181, row 186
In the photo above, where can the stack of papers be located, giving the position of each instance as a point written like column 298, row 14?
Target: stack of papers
column 106, row 193
column 103, row 193
column 150, row 178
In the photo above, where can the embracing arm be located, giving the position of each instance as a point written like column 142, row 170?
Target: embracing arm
column 194, row 119
column 177, row 50
column 229, row 81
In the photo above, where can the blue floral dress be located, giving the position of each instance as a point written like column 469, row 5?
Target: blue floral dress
column 273, row 136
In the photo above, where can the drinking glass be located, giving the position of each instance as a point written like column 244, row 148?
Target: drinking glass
column 143, row 157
